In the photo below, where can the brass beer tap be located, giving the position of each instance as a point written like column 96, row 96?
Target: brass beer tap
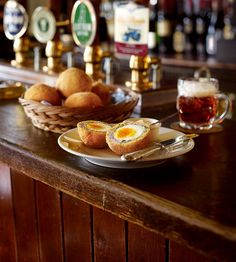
column 140, row 73
column 93, row 56
column 45, row 30
column 15, row 23
column 53, row 52
column 21, row 47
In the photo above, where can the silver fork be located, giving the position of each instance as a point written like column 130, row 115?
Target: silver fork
column 169, row 145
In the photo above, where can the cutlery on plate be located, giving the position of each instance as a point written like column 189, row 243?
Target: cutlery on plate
column 169, row 144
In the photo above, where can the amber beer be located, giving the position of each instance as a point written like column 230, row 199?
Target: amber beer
column 198, row 103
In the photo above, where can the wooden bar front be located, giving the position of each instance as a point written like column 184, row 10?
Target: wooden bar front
column 55, row 206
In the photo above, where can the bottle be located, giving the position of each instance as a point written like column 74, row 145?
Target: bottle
column 107, row 11
column 131, row 28
column 201, row 24
column 228, row 32
column 152, row 34
column 164, row 28
column 215, row 29
column 179, row 36
column 188, row 22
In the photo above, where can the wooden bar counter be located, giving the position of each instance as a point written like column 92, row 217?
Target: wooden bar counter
column 55, row 206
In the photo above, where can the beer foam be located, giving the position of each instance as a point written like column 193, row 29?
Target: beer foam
column 196, row 88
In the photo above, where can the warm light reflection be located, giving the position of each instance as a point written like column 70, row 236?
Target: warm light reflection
column 153, row 2
column 5, row 182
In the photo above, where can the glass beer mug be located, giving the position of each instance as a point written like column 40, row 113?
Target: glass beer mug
column 200, row 104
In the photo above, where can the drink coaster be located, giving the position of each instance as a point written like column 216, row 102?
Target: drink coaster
column 214, row 129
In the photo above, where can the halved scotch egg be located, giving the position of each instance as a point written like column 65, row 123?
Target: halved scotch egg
column 93, row 133
column 152, row 122
column 128, row 137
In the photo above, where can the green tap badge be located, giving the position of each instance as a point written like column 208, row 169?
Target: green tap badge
column 43, row 24
column 83, row 22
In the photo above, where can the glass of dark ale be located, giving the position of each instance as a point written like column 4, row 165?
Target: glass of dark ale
column 200, row 104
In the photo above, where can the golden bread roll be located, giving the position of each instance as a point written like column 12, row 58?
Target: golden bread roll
column 83, row 100
column 93, row 133
column 128, row 137
column 41, row 92
column 103, row 91
column 73, row 80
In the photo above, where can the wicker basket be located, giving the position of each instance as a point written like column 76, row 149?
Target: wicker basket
column 59, row 119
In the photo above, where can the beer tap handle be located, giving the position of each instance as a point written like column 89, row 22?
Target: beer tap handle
column 140, row 76
column 45, row 24
column 84, row 19
column 15, row 30
column 155, row 65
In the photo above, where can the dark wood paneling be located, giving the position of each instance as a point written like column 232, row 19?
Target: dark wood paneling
column 109, row 237
column 77, row 229
column 49, row 223
column 182, row 253
column 25, row 217
column 145, row 245
column 28, row 208
column 7, row 227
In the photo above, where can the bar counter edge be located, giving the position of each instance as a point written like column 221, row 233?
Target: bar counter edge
column 149, row 211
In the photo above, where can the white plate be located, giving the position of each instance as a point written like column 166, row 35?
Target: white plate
column 70, row 142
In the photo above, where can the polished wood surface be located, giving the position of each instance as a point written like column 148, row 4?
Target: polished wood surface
column 189, row 199
column 186, row 203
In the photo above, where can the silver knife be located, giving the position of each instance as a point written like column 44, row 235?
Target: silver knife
column 172, row 142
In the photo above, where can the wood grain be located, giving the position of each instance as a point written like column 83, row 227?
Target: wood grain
column 49, row 223
column 144, row 245
column 77, row 229
column 109, row 237
column 181, row 253
column 7, row 226
column 25, row 218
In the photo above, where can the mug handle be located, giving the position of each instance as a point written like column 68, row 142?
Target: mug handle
column 198, row 72
column 224, row 98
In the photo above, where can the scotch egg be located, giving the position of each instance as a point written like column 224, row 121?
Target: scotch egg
column 152, row 122
column 128, row 137
column 93, row 133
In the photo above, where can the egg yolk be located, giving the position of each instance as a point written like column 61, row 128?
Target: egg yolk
column 125, row 132
column 95, row 126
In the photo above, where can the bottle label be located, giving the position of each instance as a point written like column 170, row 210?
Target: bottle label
column 200, row 26
column 179, row 42
column 188, row 26
column 152, row 40
column 211, row 44
column 84, row 24
column 164, row 28
column 131, row 29
column 228, row 32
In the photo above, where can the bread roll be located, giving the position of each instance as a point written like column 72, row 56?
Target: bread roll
column 103, row 91
column 83, row 100
column 93, row 133
column 73, row 80
column 128, row 137
column 41, row 92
